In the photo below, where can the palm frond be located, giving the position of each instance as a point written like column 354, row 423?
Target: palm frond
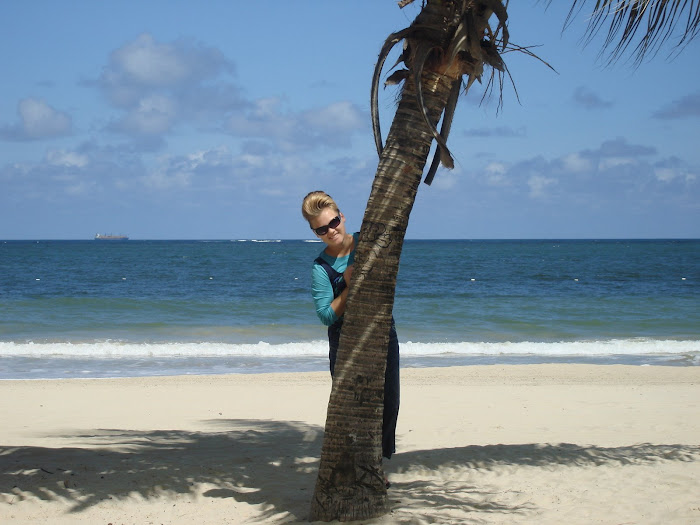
column 639, row 27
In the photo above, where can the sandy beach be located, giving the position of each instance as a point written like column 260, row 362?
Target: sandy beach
column 545, row 444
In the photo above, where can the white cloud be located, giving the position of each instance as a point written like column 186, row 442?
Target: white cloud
column 266, row 107
column 340, row 116
column 445, row 180
column 615, row 162
column 538, row 184
column 164, row 178
column 612, row 154
column 619, row 147
column 202, row 168
column 69, row 159
column 674, row 173
column 149, row 63
column 38, row 120
column 665, row 174
column 160, row 85
column 144, row 64
column 576, row 163
column 495, row 173
column 265, row 120
column 331, row 125
column 41, row 120
column 254, row 161
column 153, row 115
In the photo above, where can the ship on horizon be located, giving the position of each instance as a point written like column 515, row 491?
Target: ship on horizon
column 110, row 237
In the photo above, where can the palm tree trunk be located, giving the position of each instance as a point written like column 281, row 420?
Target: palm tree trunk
column 350, row 483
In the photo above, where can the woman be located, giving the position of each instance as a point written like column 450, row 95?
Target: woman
column 330, row 277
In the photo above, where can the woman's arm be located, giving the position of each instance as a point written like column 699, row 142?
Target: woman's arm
column 328, row 308
column 338, row 304
column 322, row 293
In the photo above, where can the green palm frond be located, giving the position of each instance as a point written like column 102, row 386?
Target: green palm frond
column 639, row 27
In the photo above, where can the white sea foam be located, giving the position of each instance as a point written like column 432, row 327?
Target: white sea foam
column 257, row 240
column 569, row 348
column 115, row 349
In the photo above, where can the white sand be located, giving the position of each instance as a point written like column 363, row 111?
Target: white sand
column 536, row 444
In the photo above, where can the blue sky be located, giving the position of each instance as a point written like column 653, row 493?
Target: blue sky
column 183, row 120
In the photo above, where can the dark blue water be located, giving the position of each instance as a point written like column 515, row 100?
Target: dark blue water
column 249, row 303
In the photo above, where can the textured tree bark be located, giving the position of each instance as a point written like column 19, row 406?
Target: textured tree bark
column 350, row 483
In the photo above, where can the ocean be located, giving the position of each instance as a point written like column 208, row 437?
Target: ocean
column 145, row 308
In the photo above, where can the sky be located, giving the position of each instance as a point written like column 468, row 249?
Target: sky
column 212, row 120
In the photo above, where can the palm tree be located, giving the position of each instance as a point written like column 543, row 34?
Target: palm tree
column 450, row 44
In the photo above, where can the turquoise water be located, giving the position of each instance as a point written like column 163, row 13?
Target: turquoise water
column 86, row 308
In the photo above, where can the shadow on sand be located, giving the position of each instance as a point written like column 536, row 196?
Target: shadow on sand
column 269, row 463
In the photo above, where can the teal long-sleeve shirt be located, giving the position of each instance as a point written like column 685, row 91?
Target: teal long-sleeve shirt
column 321, row 288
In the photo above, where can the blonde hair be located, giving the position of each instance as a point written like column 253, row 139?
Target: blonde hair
column 315, row 202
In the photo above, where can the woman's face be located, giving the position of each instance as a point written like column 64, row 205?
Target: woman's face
column 334, row 236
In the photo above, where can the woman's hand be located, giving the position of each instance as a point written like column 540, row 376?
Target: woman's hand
column 338, row 303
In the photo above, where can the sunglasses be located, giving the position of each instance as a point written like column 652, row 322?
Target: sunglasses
column 322, row 230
